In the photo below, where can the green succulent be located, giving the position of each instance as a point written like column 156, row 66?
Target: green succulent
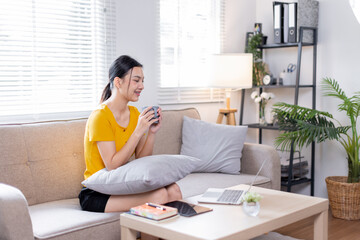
column 252, row 197
column 301, row 126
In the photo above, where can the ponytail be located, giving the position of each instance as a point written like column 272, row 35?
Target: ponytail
column 106, row 93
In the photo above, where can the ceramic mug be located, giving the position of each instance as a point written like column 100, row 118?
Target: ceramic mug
column 154, row 108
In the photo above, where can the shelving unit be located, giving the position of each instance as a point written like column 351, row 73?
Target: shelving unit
column 292, row 181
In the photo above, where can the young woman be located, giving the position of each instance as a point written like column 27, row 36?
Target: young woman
column 114, row 132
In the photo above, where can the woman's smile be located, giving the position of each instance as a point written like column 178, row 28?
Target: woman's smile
column 138, row 92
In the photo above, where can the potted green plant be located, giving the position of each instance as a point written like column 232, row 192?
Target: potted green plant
column 251, row 205
column 301, row 126
column 258, row 66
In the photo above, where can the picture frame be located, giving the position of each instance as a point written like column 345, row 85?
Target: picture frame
column 257, row 28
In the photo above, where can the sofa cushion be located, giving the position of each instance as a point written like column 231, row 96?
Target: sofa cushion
column 218, row 146
column 55, row 158
column 142, row 175
column 198, row 183
column 168, row 138
column 14, row 167
column 62, row 217
column 44, row 160
column 12, row 146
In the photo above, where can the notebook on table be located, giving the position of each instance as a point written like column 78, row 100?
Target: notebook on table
column 154, row 211
column 227, row 196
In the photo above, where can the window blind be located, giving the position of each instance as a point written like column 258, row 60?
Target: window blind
column 189, row 32
column 54, row 55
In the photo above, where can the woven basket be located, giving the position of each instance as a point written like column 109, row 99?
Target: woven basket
column 344, row 198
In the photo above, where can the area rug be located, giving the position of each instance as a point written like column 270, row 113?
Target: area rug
column 274, row 236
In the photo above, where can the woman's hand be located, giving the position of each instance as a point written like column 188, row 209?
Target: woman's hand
column 145, row 121
column 146, row 144
column 156, row 126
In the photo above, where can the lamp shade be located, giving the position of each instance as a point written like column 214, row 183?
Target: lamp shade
column 355, row 5
column 232, row 70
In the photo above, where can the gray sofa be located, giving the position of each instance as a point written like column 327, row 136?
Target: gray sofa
column 42, row 166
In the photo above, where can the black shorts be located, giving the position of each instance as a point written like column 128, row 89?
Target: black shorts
column 92, row 201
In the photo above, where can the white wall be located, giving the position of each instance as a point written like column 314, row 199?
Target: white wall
column 338, row 57
column 339, row 34
column 137, row 36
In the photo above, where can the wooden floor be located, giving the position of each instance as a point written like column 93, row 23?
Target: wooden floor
column 338, row 229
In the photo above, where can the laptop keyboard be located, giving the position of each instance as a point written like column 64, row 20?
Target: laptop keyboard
column 230, row 196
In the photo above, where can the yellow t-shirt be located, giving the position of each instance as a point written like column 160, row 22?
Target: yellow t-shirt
column 102, row 126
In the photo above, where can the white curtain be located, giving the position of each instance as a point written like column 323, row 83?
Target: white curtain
column 189, row 31
column 54, row 55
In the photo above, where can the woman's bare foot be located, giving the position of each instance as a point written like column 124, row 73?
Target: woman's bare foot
column 174, row 192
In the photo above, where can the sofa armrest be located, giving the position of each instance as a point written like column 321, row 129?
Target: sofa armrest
column 15, row 221
column 253, row 156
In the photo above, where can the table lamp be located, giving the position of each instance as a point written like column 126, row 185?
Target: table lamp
column 231, row 71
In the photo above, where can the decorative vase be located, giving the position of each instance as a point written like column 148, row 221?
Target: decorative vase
column 262, row 120
column 251, row 208
column 344, row 198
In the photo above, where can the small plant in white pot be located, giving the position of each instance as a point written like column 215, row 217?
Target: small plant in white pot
column 251, row 205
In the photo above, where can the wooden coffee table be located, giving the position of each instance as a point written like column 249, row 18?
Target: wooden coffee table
column 278, row 209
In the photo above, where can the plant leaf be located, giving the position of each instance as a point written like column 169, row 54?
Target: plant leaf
column 304, row 125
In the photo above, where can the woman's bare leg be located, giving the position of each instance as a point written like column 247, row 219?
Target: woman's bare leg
column 174, row 192
column 122, row 203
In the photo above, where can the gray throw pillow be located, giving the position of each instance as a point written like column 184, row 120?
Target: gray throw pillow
column 218, row 146
column 142, row 175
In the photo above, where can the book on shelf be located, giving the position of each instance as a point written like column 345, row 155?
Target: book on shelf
column 299, row 167
column 297, row 173
column 296, row 165
column 154, row 211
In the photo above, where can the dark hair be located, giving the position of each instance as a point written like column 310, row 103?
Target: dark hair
column 118, row 68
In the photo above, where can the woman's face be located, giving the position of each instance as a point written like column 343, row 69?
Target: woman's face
column 132, row 89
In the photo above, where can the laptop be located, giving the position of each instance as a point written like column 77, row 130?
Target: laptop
column 227, row 196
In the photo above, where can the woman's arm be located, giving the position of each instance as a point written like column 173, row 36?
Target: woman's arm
column 146, row 144
column 113, row 159
column 107, row 149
